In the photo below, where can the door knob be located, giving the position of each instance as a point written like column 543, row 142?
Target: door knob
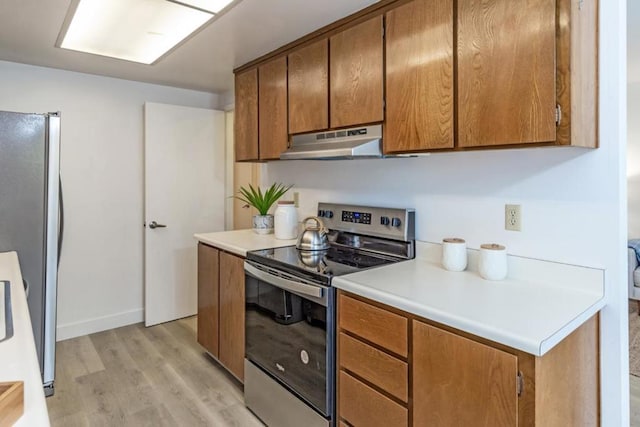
column 154, row 225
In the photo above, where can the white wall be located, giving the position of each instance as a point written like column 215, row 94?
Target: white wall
column 101, row 268
column 573, row 201
column 633, row 158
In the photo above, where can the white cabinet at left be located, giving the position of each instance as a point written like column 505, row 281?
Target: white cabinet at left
column 18, row 358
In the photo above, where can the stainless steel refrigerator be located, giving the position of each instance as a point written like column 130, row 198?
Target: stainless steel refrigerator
column 31, row 219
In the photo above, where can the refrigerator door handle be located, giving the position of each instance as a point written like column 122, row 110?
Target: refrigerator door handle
column 60, row 218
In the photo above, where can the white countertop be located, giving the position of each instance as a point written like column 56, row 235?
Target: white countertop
column 18, row 359
column 536, row 307
column 239, row 242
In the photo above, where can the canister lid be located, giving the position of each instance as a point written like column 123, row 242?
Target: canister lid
column 492, row 247
column 453, row 240
column 286, row 202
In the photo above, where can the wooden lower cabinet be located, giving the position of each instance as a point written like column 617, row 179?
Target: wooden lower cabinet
column 456, row 379
column 232, row 313
column 208, row 285
column 221, row 307
column 362, row 405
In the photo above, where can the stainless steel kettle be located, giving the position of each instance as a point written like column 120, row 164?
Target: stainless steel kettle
column 313, row 238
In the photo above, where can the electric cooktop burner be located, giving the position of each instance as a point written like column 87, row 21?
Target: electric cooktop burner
column 334, row 261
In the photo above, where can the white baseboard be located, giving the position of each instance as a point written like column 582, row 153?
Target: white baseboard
column 98, row 324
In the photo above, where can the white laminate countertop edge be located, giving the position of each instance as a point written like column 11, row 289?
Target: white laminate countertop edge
column 528, row 315
column 571, row 326
column 18, row 358
column 239, row 242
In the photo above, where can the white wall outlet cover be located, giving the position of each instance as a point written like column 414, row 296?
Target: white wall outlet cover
column 513, row 217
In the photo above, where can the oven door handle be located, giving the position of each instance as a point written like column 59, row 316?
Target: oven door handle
column 282, row 283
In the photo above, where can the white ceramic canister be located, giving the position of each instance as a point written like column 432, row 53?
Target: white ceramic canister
column 454, row 254
column 493, row 261
column 286, row 221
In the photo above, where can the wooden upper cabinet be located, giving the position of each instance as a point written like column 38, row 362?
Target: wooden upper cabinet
column 272, row 101
column 308, row 84
column 419, row 76
column 460, row 382
column 246, row 115
column 577, row 75
column 208, row 314
column 506, row 72
column 356, row 83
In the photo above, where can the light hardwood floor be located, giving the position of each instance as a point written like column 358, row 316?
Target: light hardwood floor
column 634, row 386
column 137, row 376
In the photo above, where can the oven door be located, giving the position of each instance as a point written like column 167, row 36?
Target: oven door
column 289, row 333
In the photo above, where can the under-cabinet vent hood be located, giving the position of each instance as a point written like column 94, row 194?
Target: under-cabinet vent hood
column 362, row 142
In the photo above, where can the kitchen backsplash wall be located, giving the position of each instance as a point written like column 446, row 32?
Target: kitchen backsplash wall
column 565, row 200
column 633, row 157
column 101, row 269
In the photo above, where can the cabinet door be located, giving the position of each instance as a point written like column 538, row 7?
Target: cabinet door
column 272, row 101
column 506, row 72
column 208, row 269
column 356, row 75
column 309, row 88
column 232, row 313
column 459, row 382
column 246, row 115
column 419, row 76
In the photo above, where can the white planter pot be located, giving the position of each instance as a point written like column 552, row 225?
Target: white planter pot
column 263, row 224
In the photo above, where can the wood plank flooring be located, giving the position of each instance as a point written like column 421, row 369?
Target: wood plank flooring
column 137, row 376
column 634, row 388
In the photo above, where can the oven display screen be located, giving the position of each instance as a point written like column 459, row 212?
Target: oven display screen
column 356, row 217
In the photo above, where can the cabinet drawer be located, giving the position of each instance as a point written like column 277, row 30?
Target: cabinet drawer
column 386, row 329
column 360, row 405
column 375, row 366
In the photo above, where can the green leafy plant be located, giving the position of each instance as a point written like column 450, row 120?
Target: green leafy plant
column 259, row 200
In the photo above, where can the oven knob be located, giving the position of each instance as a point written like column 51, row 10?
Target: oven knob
column 320, row 213
column 384, row 220
column 328, row 214
column 395, row 222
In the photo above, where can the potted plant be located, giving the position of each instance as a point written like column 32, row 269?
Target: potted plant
column 262, row 201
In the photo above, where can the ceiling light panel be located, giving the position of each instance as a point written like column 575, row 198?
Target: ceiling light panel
column 134, row 30
column 213, row 6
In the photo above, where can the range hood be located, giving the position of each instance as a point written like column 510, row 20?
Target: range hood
column 361, row 142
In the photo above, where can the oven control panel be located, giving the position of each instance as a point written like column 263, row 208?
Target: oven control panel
column 390, row 223
column 356, row 217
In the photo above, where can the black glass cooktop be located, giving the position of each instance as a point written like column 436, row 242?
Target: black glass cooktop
column 335, row 261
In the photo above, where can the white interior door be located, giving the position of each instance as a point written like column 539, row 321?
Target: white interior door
column 184, row 191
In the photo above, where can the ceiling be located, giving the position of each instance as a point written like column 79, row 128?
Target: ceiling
column 29, row 29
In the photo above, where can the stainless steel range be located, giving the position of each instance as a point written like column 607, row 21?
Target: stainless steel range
column 290, row 311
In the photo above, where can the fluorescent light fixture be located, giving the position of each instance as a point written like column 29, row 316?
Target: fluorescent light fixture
column 213, row 6
column 133, row 30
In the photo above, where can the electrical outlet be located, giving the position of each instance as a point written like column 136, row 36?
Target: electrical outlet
column 513, row 217
column 296, row 199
